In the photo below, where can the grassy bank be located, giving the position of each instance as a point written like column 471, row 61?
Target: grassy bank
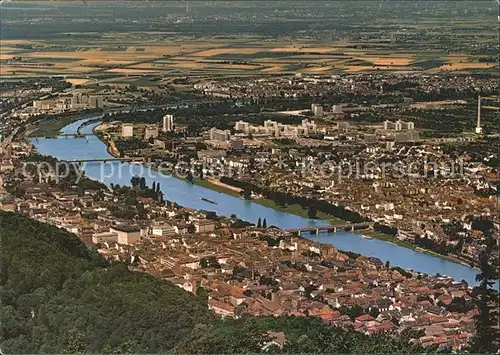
column 207, row 184
column 51, row 127
column 408, row 245
column 389, row 238
column 298, row 210
column 293, row 209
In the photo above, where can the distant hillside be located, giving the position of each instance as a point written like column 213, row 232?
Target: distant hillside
column 57, row 296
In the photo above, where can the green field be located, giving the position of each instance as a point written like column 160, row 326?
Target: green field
column 51, row 127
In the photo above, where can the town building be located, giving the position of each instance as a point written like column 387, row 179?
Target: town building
column 79, row 101
column 164, row 230
column 370, row 138
column 317, row 110
column 104, row 237
column 398, row 125
column 410, row 136
column 337, row 109
column 96, row 102
column 219, row 135
column 204, row 226
column 151, row 131
column 168, row 123
column 127, row 130
column 127, row 234
column 275, row 129
column 343, row 126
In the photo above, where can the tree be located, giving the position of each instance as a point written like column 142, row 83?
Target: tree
column 154, row 186
column 202, row 293
column 352, row 312
column 485, row 339
column 158, row 188
column 247, row 194
column 387, row 264
column 75, row 344
column 259, row 223
column 312, row 211
column 135, row 181
column 142, row 183
column 264, row 223
column 374, row 312
column 189, row 177
column 210, row 261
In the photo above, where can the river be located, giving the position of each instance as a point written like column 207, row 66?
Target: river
column 190, row 195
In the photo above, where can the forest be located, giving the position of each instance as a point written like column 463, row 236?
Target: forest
column 58, row 296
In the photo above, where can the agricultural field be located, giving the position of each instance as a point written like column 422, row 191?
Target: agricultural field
column 206, row 56
column 85, row 43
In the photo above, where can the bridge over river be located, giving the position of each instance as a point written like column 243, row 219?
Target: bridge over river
column 77, row 135
column 332, row 229
column 105, row 160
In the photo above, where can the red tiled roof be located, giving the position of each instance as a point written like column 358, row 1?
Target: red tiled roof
column 364, row 318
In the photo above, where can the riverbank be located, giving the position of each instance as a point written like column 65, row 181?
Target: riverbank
column 87, row 123
column 292, row 209
column 110, row 145
column 298, row 211
column 52, row 127
column 215, row 187
column 391, row 239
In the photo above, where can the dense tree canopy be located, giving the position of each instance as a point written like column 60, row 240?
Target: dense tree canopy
column 57, row 295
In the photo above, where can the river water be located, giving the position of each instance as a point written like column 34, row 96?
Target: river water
column 189, row 195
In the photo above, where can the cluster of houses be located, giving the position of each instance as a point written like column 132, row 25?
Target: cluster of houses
column 266, row 272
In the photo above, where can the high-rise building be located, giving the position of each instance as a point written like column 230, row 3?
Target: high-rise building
column 151, row 131
column 242, row 126
column 343, row 126
column 219, row 135
column 409, row 136
column 337, row 109
column 96, row 102
column 75, row 100
column 317, row 110
column 399, row 125
column 127, row 130
column 370, row 138
column 479, row 129
column 168, row 123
